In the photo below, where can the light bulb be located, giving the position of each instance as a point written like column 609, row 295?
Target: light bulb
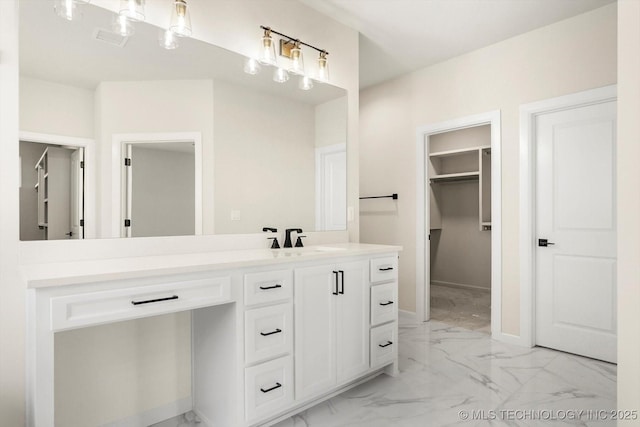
column 180, row 19
column 122, row 26
column 297, row 61
column 66, row 9
column 268, row 50
column 305, row 83
column 251, row 66
column 280, row 75
column 168, row 40
column 323, row 68
column 132, row 9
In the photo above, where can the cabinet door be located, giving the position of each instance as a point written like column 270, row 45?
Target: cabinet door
column 352, row 320
column 315, row 326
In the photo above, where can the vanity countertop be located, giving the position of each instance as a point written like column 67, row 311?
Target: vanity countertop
column 73, row 273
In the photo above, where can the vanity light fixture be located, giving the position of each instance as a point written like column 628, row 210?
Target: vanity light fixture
column 323, row 67
column 168, row 40
column 268, row 49
column 132, row 9
column 122, row 25
column 66, row 9
column 180, row 19
column 251, row 66
column 280, row 75
column 297, row 60
column 305, row 83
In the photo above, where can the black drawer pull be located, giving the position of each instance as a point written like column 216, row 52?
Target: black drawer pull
column 386, row 303
column 149, row 301
column 278, row 385
column 385, row 345
column 266, row 334
column 385, row 269
column 264, row 288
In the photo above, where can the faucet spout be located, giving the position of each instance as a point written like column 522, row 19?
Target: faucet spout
column 287, row 240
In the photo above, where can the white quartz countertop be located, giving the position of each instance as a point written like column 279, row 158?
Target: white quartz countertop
column 73, row 273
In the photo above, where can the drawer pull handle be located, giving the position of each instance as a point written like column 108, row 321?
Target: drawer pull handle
column 149, row 301
column 385, row 345
column 264, row 288
column 266, row 334
column 385, row 269
column 386, row 303
column 278, row 385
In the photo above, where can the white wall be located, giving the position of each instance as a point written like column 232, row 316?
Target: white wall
column 163, row 191
column 331, row 122
column 265, row 161
column 151, row 107
column 54, row 108
column 629, row 203
column 569, row 56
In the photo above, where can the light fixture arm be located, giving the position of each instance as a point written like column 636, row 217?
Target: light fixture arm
column 293, row 39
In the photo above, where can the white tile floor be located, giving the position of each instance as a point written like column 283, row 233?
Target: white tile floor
column 445, row 370
column 468, row 308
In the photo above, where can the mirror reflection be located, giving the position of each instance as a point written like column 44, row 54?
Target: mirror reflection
column 147, row 141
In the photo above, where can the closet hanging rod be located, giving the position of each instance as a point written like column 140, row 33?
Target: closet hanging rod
column 393, row 196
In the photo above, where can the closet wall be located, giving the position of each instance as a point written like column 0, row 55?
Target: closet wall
column 460, row 250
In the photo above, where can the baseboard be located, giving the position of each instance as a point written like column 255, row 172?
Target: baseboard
column 510, row 339
column 155, row 415
column 460, row 285
column 407, row 317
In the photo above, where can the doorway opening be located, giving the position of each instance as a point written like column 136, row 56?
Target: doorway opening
column 458, row 245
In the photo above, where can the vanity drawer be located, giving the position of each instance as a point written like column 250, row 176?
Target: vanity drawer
column 384, row 344
column 268, row 286
column 93, row 308
column 268, row 388
column 268, row 332
column 384, row 303
column 383, row 269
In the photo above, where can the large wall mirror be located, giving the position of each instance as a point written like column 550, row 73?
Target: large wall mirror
column 122, row 138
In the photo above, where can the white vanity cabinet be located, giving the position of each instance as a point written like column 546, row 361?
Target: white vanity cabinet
column 332, row 322
column 270, row 336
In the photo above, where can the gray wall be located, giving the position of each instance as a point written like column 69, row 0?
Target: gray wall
column 163, row 192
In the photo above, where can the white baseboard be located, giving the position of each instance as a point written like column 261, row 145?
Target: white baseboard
column 155, row 415
column 460, row 285
column 407, row 317
column 510, row 339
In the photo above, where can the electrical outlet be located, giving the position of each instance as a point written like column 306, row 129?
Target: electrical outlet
column 235, row 215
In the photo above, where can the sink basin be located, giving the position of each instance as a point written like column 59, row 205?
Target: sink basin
column 327, row 249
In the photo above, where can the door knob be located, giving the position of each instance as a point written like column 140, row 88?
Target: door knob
column 544, row 243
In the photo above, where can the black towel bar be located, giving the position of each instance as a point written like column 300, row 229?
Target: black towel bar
column 393, row 196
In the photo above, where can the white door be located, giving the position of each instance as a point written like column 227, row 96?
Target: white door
column 576, row 214
column 77, row 194
column 353, row 320
column 315, row 325
column 331, row 188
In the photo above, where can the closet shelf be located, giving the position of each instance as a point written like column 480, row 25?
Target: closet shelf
column 460, row 151
column 454, row 177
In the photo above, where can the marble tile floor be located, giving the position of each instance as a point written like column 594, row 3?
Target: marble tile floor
column 447, row 372
column 467, row 308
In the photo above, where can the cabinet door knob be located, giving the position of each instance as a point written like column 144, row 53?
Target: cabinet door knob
column 278, row 385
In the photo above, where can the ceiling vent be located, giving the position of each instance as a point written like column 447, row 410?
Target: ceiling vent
column 110, row 37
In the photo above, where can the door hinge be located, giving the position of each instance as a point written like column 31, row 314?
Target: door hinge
column 82, row 223
column 82, row 165
column 127, row 223
column 127, row 161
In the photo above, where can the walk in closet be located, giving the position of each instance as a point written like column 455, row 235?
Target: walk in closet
column 459, row 165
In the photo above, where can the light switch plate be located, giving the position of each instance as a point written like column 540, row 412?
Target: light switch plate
column 235, row 215
column 350, row 214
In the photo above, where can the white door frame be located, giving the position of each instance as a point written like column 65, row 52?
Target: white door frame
column 117, row 166
column 422, row 212
column 90, row 218
column 528, row 116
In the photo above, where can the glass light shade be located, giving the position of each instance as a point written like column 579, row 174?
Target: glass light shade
column 132, row 9
column 180, row 19
column 297, row 60
column 251, row 66
column 268, row 51
column 323, row 68
column 168, row 40
column 66, row 9
column 305, row 83
column 280, row 75
column 122, row 25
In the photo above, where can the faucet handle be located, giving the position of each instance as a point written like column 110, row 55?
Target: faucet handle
column 275, row 244
column 273, row 230
column 299, row 241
